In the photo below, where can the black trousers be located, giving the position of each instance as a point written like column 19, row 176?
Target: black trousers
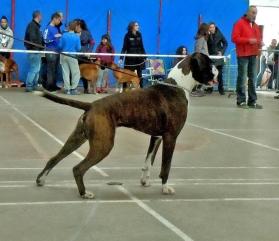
column 138, row 68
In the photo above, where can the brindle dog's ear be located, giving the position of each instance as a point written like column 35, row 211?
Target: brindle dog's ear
column 185, row 65
column 195, row 63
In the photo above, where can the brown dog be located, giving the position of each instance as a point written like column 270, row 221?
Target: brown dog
column 90, row 72
column 8, row 66
column 125, row 76
column 159, row 111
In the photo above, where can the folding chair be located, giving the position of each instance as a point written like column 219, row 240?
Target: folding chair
column 155, row 70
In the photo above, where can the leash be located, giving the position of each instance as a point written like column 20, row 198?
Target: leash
column 177, row 86
column 134, row 65
column 69, row 55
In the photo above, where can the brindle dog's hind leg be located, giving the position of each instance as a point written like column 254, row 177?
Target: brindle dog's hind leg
column 100, row 146
column 76, row 139
column 149, row 160
column 168, row 148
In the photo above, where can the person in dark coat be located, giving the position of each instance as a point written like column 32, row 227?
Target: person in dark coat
column 87, row 45
column 217, row 45
column 33, row 35
column 133, row 44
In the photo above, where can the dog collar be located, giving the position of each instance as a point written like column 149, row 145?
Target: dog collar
column 171, row 85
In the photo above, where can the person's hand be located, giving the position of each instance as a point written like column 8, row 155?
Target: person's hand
column 252, row 41
column 120, row 61
column 58, row 35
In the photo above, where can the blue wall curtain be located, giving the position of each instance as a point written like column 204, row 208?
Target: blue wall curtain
column 179, row 20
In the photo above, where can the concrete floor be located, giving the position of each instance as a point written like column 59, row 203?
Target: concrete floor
column 225, row 172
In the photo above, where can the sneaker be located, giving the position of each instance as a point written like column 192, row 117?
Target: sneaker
column 242, row 105
column 197, row 93
column 208, row 90
column 276, row 97
column 255, row 106
column 104, row 90
column 67, row 92
column 221, row 92
column 86, row 91
column 75, row 92
column 277, row 92
column 28, row 90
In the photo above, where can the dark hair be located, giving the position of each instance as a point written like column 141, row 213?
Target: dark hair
column 55, row 15
column 131, row 25
column 212, row 23
column 202, row 31
column 4, row 17
column 107, row 37
column 180, row 49
column 36, row 13
column 82, row 24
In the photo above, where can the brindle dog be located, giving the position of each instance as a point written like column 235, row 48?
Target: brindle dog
column 159, row 111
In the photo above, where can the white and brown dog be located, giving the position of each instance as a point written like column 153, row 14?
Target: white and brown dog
column 159, row 111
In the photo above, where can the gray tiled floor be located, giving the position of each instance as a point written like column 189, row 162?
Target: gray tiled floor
column 225, row 172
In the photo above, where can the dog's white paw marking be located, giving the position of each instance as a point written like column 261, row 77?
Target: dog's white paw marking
column 145, row 182
column 145, row 177
column 167, row 190
column 88, row 195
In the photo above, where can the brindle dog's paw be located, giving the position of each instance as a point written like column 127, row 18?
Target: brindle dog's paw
column 88, row 195
column 40, row 182
column 167, row 190
column 145, row 182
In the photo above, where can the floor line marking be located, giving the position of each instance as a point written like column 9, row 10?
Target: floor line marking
column 140, row 203
column 139, row 168
column 156, row 215
column 102, row 173
column 29, row 137
column 235, row 137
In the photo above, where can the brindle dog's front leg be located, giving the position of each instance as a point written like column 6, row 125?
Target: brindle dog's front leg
column 168, row 148
column 149, row 160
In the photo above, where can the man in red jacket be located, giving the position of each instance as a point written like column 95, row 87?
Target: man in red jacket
column 248, row 40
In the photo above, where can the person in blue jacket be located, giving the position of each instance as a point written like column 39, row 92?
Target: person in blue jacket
column 51, row 38
column 70, row 42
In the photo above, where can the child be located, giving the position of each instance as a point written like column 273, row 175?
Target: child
column 70, row 42
column 104, row 47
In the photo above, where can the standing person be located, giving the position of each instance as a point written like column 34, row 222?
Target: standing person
column 104, row 47
column 6, row 42
column 87, row 45
column 270, row 61
column 51, row 38
column 217, row 45
column 70, row 42
column 248, row 40
column 201, row 47
column 201, row 39
column 133, row 44
column 33, row 34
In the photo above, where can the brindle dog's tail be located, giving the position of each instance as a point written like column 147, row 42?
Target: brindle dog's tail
column 65, row 101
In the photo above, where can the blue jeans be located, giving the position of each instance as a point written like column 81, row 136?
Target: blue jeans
column 103, row 73
column 246, row 68
column 52, row 63
column 34, row 61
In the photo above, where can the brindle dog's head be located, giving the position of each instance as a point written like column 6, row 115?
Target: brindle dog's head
column 201, row 66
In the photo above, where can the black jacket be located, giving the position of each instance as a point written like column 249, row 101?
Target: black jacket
column 133, row 44
column 34, row 35
column 217, row 43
